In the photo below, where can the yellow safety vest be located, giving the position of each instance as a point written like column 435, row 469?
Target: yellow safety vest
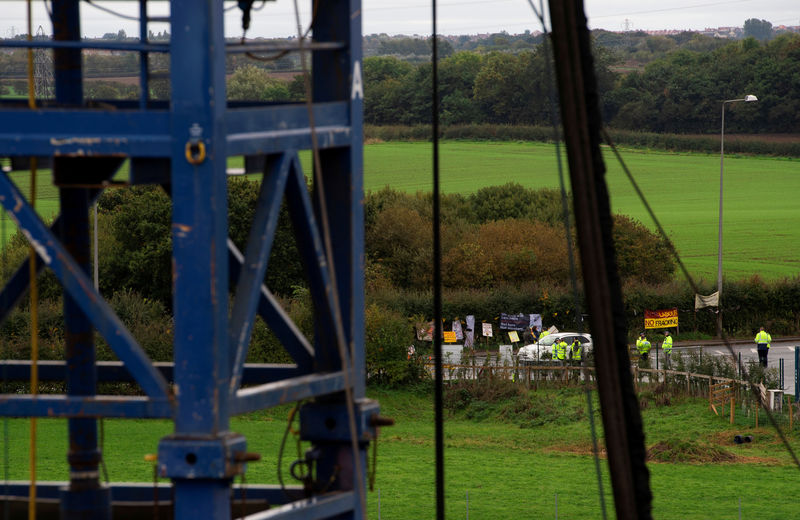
column 561, row 350
column 763, row 337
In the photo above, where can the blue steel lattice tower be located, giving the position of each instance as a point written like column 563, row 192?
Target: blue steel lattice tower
column 184, row 145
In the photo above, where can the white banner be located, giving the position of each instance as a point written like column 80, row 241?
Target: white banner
column 700, row 301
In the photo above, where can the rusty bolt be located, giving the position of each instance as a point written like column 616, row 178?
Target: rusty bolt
column 380, row 420
column 246, row 456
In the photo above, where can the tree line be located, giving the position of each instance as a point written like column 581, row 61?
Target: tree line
column 679, row 93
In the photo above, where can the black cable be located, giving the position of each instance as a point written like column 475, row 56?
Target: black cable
column 346, row 355
column 437, row 278
column 695, row 288
column 280, row 54
column 112, row 12
column 570, row 247
column 283, row 446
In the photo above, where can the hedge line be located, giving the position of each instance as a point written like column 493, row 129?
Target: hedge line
column 671, row 142
column 749, row 304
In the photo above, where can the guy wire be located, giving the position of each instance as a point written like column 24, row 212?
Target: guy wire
column 437, row 276
column 34, row 290
column 695, row 288
column 5, row 357
column 570, row 247
column 338, row 323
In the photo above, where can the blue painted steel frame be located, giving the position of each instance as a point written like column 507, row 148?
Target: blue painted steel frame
column 202, row 455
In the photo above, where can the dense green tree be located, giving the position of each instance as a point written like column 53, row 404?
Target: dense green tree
column 642, row 255
column 513, row 201
column 251, row 83
column 137, row 253
column 759, row 29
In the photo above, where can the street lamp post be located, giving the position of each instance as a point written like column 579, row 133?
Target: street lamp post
column 748, row 99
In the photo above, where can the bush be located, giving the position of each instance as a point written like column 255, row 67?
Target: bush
column 388, row 336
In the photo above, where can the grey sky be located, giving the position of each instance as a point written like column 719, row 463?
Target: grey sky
column 455, row 16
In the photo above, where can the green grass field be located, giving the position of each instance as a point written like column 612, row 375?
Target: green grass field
column 759, row 215
column 760, row 212
column 510, row 465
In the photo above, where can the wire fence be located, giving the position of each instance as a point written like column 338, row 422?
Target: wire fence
column 729, row 398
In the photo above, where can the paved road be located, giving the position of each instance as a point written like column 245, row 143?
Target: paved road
column 779, row 350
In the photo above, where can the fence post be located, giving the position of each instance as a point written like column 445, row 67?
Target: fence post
column 796, row 374
column 739, row 366
column 556, row 506
column 731, row 404
column 710, row 391
column 758, row 409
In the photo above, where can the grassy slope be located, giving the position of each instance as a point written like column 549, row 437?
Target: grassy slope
column 510, row 465
column 760, row 206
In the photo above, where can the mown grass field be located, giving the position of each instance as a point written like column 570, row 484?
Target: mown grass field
column 760, row 213
column 760, row 208
column 511, row 461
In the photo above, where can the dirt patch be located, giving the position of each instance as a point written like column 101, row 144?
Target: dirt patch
column 578, row 449
column 689, row 452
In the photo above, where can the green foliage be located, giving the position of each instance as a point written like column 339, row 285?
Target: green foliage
column 137, row 252
column 283, row 271
column 387, row 336
column 678, row 92
column 641, row 254
column 504, row 234
column 147, row 320
column 251, row 83
column 513, row 201
column 758, row 29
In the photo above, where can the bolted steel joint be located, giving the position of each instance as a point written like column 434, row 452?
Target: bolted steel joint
column 202, row 458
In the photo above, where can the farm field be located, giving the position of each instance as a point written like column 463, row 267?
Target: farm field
column 760, row 203
column 759, row 214
column 511, row 464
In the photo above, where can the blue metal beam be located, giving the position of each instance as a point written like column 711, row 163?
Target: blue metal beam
column 115, row 371
column 101, row 406
column 144, row 493
column 312, row 251
column 273, row 129
column 17, row 286
column 80, row 287
column 286, row 391
column 200, row 258
column 85, row 133
column 325, row 506
column 259, row 246
column 275, row 317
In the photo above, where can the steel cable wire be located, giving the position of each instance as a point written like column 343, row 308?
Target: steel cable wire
column 338, row 322
column 437, row 274
column 693, row 285
column 570, row 247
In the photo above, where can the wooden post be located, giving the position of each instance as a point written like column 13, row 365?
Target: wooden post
column 710, row 390
column 732, row 412
column 758, row 409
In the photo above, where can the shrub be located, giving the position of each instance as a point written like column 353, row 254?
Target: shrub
column 388, row 336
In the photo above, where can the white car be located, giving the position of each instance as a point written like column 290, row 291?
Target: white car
column 543, row 349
